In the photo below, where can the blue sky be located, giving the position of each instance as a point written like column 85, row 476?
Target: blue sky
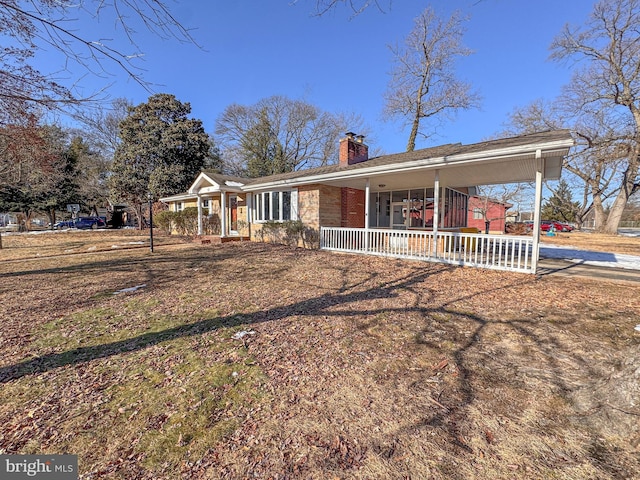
column 253, row 49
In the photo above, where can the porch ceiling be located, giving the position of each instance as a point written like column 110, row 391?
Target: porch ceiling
column 488, row 172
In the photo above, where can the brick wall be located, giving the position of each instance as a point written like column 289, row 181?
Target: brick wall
column 352, row 151
column 352, row 208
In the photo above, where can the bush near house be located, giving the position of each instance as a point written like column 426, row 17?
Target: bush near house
column 292, row 233
column 185, row 222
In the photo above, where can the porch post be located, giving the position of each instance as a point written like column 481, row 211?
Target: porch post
column 223, row 214
column 535, row 254
column 199, row 214
column 367, row 192
column 436, row 213
column 249, row 202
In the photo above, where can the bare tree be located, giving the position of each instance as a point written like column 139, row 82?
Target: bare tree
column 423, row 83
column 608, row 84
column 101, row 125
column 593, row 165
column 356, row 6
column 32, row 26
column 278, row 135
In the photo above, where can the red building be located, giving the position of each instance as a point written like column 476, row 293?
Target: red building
column 483, row 209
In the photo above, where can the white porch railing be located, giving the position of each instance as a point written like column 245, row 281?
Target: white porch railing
column 499, row 252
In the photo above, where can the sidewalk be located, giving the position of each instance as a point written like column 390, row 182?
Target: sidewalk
column 555, row 266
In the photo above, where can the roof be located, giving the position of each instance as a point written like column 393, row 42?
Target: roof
column 505, row 160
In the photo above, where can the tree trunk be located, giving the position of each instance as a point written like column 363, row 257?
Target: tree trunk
column 615, row 214
column 617, row 209
column 411, row 144
column 139, row 216
column 598, row 210
column 51, row 214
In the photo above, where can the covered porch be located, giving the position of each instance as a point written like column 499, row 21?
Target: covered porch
column 410, row 205
column 222, row 206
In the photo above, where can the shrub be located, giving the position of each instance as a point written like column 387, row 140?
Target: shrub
column 211, row 225
column 165, row 221
column 187, row 221
column 291, row 232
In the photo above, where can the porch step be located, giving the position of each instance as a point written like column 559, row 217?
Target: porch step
column 216, row 239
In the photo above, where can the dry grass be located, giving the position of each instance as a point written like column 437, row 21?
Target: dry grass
column 597, row 242
column 359, row 367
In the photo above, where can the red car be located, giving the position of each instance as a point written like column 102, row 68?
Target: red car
column 545, row 226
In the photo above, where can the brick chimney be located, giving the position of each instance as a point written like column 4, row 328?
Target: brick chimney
column 353, row 149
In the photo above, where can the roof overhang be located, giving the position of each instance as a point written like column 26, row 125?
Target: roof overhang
column 178, row 198
column 206, row 184
column 515, row 164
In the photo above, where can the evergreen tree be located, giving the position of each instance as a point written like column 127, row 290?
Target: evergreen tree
column 561, row 205
column 161, row 152
column 264, row 153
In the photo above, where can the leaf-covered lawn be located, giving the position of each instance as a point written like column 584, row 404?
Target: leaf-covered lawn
column 253, row 360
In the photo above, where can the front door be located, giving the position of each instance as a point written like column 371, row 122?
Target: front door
column 399, row 215
column 233, row 208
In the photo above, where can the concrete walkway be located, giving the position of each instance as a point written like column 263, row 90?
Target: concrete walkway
column 554, row 266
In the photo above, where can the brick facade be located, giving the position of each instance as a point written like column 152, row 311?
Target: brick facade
column 352, row 208
column 319, row 205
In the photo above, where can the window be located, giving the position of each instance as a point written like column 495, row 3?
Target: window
column 179, row 206
column 420, row 205
column 275, row 206
column 477, row 213
column 205, row 204
column 286, row 205
column 455, row 209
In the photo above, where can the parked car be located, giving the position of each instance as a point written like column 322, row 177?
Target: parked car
column 545, row 226
column 82, row 223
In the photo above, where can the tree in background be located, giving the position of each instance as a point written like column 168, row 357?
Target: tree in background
column 214, row 159
column 279, row 135
column 631, row 216
column 561, row 205
column 92, row 171
column 161, row 152
column 356, row 6
column 607, row 91
column 593, row 172
column 101, row 126
column 51, row 27
column 423, row 86
column 33, row 168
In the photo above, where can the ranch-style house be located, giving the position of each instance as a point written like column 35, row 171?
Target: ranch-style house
column 408, row 205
